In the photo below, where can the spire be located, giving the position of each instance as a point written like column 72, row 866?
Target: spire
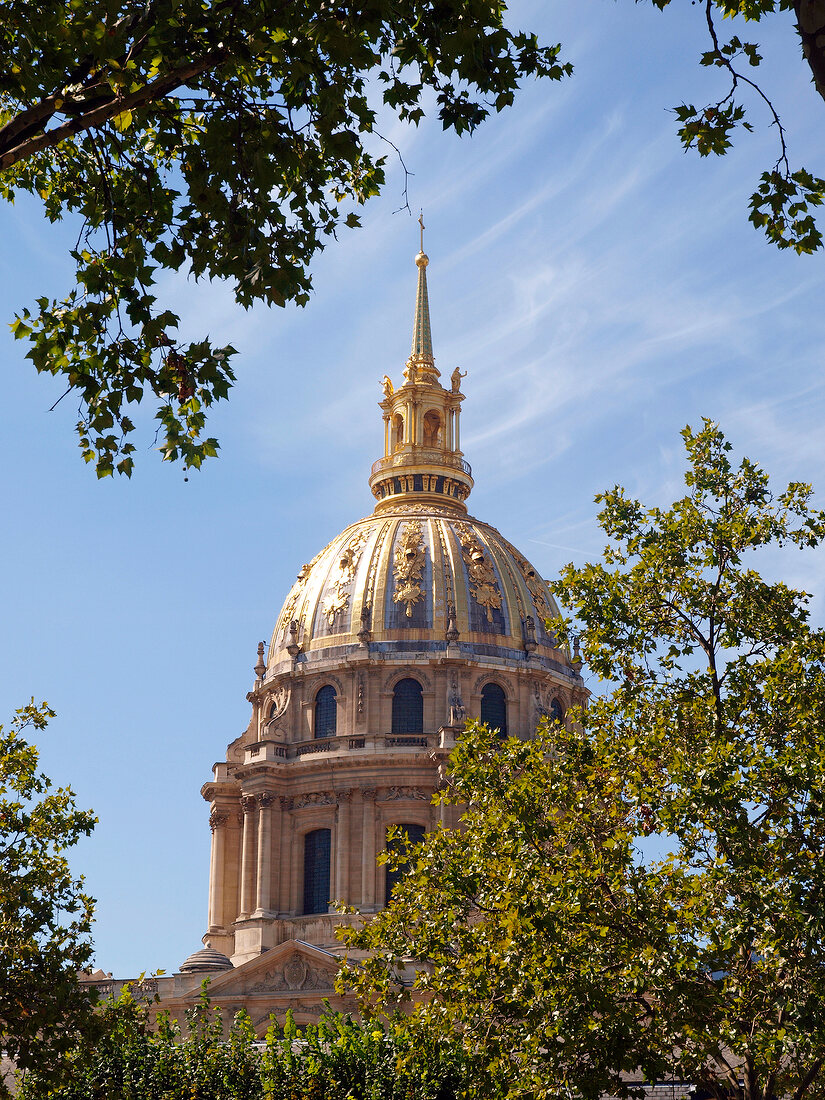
column 422, row 342
column 422, row 458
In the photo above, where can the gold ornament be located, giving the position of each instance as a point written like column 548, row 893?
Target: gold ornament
column 537, row 590
column 338, row 599
column 410, row 558
column 484, row 586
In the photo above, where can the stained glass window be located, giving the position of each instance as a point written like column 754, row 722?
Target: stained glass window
column 556, row 711
column 407, row 707
column 326, row 712
column 494, row 707
column 415, row 834
column 316, row 871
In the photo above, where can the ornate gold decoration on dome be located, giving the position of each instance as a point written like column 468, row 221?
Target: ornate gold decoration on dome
column 422, row 510
column 306, row 569
column 288, row 612
column 338, row 599
column 484, row 586
column 291, row 604
column 408, row 569
column 536, row 587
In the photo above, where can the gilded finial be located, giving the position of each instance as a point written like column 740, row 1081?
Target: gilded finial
column 421, row 223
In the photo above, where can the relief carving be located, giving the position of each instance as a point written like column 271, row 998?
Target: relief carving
column 483, row 584
column 548, row 702
column 315, row 798
column 392, row 794
column 338, row 599
column 408, row 568
column 295, row 975
column 536, row 588
column 279, row 700
column 458, row 711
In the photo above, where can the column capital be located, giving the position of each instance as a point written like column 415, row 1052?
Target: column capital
column 217, row 818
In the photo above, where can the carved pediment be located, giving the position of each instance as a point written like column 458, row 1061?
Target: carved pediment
column 292, row 967
column 292, row 974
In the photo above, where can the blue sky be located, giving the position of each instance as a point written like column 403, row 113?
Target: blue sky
column 600, row 287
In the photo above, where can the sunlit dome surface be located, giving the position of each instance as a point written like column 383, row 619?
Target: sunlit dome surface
column 409, row 576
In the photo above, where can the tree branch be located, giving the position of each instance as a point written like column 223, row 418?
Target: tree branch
column 117, row 105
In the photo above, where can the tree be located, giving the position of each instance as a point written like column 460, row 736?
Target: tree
column 335, row 1059
column 782, row 203
column 544, row 928
column 45, row 917
column 229, row 139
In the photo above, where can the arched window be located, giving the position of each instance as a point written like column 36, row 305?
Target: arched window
column 414, row 834
column 432, row 429
column 397, row 431
column 407, row 707
column 326, row 712
column 316, row 871
column 557, row 711
column 494, row 708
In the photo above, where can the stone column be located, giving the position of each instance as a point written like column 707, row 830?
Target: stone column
column 275, row 847
column 296, row 870
column 457, row 431
column 217, row 823
column 262, row 901
column 248, row 855
column 368, row 867
column 386, row 434
column 341, row 888
column 287, row 857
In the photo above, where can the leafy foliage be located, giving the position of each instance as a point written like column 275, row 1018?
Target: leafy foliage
column 226, row 138
column 783, row 203
column 547, row 934
column 45, row 917
column 337, row 1059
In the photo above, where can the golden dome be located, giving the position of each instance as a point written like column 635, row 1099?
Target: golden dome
column 416, row 579
column 419, row 576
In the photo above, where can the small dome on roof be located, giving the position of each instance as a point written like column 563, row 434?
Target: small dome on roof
column 205, row 961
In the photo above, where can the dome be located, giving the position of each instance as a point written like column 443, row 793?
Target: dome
column 205, row 961
column 416, row 578
column 419, row 575
column 410, row 622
